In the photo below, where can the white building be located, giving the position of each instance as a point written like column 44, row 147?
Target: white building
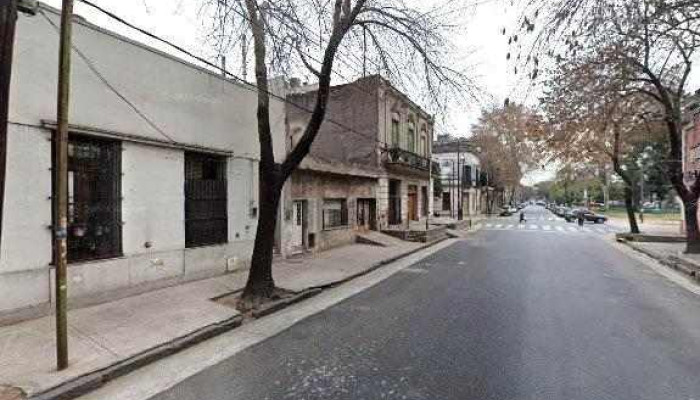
column 163, row 169
column 461, row 178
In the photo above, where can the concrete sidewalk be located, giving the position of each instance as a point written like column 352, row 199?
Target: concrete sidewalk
column 651, row 227
column 133, row 329
column 671, row 255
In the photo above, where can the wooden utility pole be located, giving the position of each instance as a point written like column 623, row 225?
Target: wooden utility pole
column 60, row 195
column 8, row 18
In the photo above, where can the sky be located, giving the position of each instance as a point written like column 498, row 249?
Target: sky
column 480, row 44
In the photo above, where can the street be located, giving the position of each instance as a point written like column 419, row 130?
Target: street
column 505, row 314
column 539, row 219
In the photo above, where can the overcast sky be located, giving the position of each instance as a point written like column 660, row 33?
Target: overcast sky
column 178, row 20
column 481, row 45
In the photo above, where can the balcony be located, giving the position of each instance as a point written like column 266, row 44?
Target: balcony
column 407, row 161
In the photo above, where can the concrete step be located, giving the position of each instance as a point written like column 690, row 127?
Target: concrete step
column 378, row 239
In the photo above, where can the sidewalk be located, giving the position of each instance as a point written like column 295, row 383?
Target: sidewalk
column 671, row 255
column 134, row 330
column 663, row 228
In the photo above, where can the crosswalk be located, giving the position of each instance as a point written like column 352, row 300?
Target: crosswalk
column 544, row 227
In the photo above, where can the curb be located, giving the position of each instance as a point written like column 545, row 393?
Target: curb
column 687, row 268
column 378, row 265
column 93, row 380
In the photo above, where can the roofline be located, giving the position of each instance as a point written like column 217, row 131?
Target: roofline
column 79, row 19
column 383, row 80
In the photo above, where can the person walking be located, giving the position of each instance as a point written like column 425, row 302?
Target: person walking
column 522, row 217
column 579, row 218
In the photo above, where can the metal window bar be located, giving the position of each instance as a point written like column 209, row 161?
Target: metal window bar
column 206, row 208
column 335, row 213
column 94, row 198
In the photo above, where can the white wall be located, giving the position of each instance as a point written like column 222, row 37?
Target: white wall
column 189, row 105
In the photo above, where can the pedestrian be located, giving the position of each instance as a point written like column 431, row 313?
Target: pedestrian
column 522, row 217
column 580, row 219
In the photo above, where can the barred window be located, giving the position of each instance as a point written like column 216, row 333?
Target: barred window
column 335, row 213
column 206, row 220
column 94, row 198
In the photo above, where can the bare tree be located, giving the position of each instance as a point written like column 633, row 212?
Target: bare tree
column 656, row 40
column 505, row 135
column 307, row 35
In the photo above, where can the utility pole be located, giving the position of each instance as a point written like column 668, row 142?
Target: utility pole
column 460, row 212
column 8, row 18
column 430, row 194
column 244, row 57
column 641, row 194
column 60, row 196
column 452, row 188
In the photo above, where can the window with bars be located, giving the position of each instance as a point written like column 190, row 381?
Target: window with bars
column 206, row 219
column 335, row 213
column 94, row 198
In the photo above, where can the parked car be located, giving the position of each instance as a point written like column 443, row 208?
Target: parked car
column 561, row 211
column 506, row 212
column 570, row 215
column 588, row 215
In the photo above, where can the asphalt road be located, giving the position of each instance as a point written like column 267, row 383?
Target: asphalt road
column 504, row 315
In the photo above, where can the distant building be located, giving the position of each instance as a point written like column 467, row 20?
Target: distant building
column 462, row 179
column 368, row 168
column 163, row 160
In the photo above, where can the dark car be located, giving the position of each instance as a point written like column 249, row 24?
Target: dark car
column 506, row 212
column 587, row 215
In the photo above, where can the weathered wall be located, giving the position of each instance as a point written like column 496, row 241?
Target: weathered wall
column 314, row 187
column 188, row 104
column 352, row 143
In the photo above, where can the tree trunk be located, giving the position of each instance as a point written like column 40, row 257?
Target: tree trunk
column 629, row 206
column 691, row 226
column 260, row 282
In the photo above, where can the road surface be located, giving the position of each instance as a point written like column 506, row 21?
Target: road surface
column 509, row 314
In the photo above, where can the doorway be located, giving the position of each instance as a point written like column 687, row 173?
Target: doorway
column 394, row 202
column 412, row 203
column 366, row 214
column 299, row 226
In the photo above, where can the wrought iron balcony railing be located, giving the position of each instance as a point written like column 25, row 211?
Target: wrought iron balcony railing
column 409, row 159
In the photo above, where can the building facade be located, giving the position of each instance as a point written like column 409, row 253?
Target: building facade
column 367, row 168
column 162, row 169
column 463, row 182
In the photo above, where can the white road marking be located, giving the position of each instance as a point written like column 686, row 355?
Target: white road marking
column 560, row 229
column 600, row 230
column 499, row 226
column 533, row 227
column 571, row 229
column 489, row 225
column 546, row 227
column 509, row 226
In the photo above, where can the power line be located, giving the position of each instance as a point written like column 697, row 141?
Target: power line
column 245, row 84
column 104, row 80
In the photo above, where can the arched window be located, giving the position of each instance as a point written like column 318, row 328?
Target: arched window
column 424, row 147
column 411, row 139
column 395, row 136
